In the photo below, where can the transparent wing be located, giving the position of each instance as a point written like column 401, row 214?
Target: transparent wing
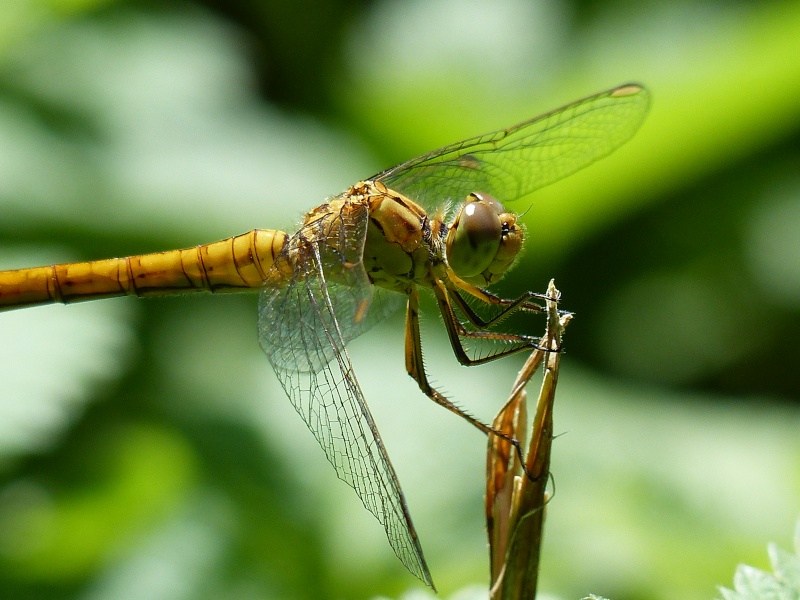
column 511, row 163
column 304, row 324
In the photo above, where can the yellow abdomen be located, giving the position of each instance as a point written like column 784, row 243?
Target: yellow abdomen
column 236, row 263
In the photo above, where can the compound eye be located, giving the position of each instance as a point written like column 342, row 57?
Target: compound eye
column 474, row 237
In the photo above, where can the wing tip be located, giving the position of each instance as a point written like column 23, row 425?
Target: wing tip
column 628, row 89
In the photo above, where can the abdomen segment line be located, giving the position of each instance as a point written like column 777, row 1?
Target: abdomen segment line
column 234, row 264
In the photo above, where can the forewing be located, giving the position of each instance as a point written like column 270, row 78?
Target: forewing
column 511, row 163
column 303, row 327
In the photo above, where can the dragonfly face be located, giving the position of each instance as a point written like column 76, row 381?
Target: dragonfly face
column 405, row 246
column 483, row 240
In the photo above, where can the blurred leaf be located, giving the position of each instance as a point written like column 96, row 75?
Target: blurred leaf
column 52, row 359
column 21, row 19
column 754, row 584
column 772, row 242
column 160, row 130
column 648, row 496
column 177, row 559
column 62, row 535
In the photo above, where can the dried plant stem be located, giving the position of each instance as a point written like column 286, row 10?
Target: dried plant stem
column 515, row 499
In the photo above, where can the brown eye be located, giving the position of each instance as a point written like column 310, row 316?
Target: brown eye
column 487, row 200
column 474, row 237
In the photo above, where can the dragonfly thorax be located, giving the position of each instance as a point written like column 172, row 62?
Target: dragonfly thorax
column 483, row 240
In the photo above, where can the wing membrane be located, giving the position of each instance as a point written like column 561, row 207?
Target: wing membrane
column 511, row 163
column 304, row 340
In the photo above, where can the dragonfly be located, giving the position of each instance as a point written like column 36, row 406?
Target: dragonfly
column 437, row 222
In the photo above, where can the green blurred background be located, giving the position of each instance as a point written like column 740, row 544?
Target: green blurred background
column 146, row 450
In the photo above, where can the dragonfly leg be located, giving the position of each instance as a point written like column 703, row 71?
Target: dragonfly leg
column 455, row 286
column 509, row 306
column 523, row 302
column 416, row 368
column 456, row 331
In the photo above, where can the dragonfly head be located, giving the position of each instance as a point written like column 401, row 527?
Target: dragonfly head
column 483, row 240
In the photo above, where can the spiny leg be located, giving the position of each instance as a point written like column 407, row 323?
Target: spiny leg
column 416, row 368
column 495, row 300
column 509, row 306
column 456, row 331
column 455, row 286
